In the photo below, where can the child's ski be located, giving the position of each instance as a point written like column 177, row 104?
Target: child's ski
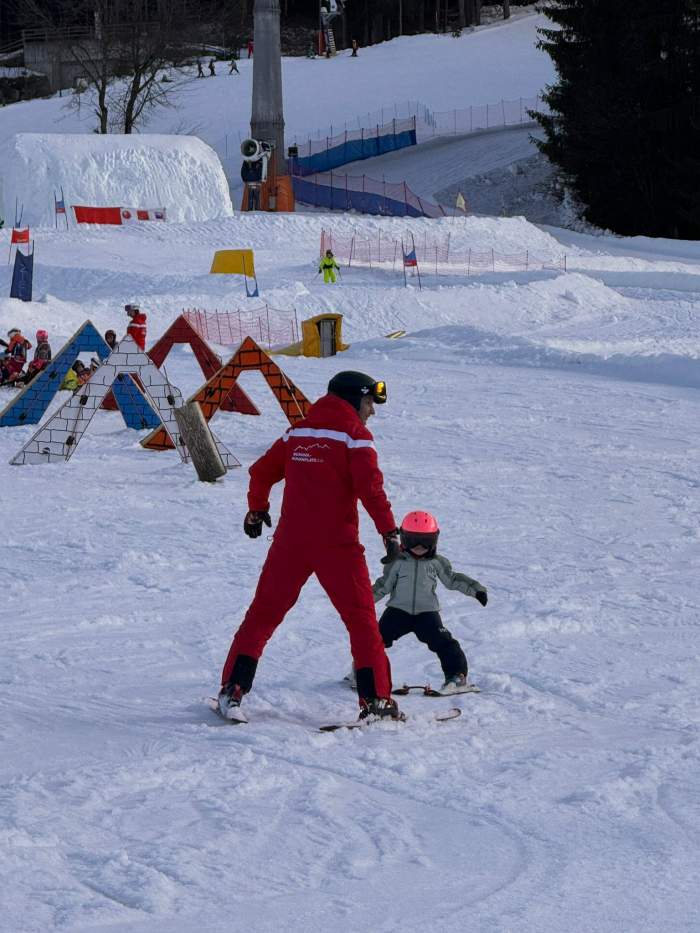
column 427, row 691
column 453, row 713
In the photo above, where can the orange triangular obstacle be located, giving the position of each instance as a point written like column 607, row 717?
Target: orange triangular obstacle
column 249, row 356
column 181, row 331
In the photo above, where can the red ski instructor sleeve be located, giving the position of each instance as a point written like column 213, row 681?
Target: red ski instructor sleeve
column 264, row 473
column 368, row 484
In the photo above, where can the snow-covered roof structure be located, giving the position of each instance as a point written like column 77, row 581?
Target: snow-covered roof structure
column 179, row 173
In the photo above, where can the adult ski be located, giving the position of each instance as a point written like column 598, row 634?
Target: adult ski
column 453, row 713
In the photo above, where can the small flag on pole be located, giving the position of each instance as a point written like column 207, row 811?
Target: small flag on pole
column 19, row 236
column 409, row 259
column 60, row 205
column 460, row 203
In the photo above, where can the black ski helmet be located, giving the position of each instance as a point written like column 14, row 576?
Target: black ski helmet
column 353, row 387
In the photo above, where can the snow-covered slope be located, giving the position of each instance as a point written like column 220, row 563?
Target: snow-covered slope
column 568, row 787
column 320, row 93
column 180, row 173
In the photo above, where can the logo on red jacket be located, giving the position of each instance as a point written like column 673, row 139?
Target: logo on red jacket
column 303, row 453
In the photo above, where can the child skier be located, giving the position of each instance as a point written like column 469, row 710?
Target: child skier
column 42, row 357
column 15, row 358
column 137, row 325
column 328, row 265
column 410, row 582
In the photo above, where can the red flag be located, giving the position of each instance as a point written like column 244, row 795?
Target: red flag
column 20, row 236
column 97, row 215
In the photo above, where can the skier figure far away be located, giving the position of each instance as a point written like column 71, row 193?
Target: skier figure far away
column 328, row 461
column 328, row 265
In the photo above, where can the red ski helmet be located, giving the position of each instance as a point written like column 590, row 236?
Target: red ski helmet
column 42, row 335
column 419, row 528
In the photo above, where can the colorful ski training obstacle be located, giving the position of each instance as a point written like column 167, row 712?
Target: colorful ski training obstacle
column 57, row 439
column 181, row 331
column 248, row 357
column 29, row 405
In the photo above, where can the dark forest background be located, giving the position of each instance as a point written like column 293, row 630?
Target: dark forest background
column 624, row 124
column 230, row 23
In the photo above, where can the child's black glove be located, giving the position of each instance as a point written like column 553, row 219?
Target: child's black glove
column 392, row 543
column 253, row 522
column 481, row 596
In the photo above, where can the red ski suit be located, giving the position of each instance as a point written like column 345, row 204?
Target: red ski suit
column 137, row 329
column 328, row 462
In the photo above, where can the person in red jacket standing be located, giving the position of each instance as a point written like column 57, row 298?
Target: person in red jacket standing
column 15, row 357
column 328, row 462
column 137, row 325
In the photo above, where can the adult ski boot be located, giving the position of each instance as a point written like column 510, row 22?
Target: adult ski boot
column 229, row 704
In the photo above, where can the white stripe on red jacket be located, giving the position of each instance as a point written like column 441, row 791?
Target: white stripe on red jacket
column 328, row 461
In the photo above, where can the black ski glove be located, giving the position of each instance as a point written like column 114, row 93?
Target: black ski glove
column 253, row 522
column 481, row 596
column 392, row 543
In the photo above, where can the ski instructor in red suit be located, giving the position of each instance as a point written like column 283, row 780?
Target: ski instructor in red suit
column 328, row 462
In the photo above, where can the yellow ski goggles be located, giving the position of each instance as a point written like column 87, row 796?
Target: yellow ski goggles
column 379, row 392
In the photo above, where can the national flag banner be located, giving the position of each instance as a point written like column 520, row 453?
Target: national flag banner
column 132, row 214
column 116, row 215
column 409, row 259
column 460, row 203
column 97, row 215
column 20, row 236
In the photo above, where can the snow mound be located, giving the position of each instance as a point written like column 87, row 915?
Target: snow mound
column 180, row 173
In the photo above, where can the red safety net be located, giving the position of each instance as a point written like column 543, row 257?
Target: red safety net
column 436, row 255
column 270, row 327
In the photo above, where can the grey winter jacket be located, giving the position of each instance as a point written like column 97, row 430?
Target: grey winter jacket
column 412, row 583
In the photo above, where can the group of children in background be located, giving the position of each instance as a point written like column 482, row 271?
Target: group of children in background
column 16, row 349
column 14, row 359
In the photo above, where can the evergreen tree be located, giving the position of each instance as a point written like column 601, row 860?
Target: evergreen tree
column 624, row 121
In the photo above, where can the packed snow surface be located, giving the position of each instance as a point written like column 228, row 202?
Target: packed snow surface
column 549, row 420
column 180, row 173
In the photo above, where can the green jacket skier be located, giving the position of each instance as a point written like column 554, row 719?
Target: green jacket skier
column 328, row 265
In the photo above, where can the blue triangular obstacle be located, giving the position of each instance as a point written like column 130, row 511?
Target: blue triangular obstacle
column 31, row 403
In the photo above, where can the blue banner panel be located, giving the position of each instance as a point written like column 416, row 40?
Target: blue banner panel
column 22, row 275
